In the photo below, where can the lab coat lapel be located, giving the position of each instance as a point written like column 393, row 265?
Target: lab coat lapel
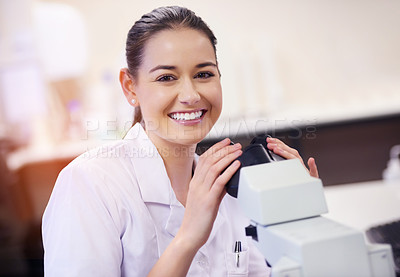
column 153, row 180
column 175, row 219
column 218, row 223
column 152, row 177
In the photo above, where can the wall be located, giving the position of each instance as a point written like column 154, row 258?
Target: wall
column 310, row 60
column 319, row 60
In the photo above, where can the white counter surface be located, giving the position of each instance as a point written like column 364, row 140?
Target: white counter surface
column 364, row 205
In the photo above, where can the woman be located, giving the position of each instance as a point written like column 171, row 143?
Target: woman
column 146, row 205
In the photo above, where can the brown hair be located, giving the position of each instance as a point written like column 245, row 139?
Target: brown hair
column 163, row 18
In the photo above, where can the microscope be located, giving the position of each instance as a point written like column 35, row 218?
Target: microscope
column 285, row 204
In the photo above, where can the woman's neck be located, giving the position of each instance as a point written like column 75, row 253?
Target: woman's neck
column 179, row 167
column 178, row 160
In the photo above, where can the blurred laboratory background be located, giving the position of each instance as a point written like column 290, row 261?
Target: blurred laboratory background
column 322, row 75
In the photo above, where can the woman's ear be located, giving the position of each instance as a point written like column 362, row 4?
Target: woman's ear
column 127, row 85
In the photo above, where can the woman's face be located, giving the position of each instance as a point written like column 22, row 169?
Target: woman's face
column 178, row 87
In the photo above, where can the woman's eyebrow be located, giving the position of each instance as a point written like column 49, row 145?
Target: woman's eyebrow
column 201, row 65
column 172, row 67
column 167, row 67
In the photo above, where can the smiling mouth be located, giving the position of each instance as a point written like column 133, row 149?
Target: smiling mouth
column 187, row 116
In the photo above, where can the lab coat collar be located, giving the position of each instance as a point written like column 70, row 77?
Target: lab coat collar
column 152, row 177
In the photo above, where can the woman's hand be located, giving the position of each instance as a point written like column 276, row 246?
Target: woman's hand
column 206, row 190
column 281, row 149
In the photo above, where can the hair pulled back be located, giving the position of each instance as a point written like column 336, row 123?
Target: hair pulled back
column 163, row 18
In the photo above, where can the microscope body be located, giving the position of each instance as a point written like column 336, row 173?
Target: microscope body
column 285, row 205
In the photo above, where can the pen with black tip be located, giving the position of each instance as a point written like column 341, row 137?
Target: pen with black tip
column 238, row 249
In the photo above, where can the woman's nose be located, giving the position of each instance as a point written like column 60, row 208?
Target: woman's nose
column 188, row 94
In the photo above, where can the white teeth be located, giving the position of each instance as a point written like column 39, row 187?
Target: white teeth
column 187, row 116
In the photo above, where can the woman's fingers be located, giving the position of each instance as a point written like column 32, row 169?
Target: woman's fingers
column 216, row 147
column 280, row 148
column 216, row 169
column 313, row 167
column 222, row 179
column 214, row 163
column 221, row 150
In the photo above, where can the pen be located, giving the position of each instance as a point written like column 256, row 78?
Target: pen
column 238, row 249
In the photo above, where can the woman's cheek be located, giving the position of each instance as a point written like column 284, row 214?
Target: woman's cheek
column 217, row 96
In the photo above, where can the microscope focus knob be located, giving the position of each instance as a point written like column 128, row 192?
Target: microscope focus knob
column 251, row 231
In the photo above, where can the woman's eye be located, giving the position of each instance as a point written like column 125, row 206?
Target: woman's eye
column 204, row 75
column 165, row 78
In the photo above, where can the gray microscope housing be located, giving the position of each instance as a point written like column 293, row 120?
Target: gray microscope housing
column 285, row 205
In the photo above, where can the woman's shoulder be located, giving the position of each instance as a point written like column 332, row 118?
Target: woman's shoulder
column 112, row 153
column 114, row 164
column 104, row 169
column 103, row 157
column 100, row 175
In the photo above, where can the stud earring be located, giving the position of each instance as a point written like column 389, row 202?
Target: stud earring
column 133, row 101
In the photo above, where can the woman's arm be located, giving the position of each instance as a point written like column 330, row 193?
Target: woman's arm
column 206, row 190
column 79, row 233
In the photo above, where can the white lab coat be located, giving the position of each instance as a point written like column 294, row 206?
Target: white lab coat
column 113, row 212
